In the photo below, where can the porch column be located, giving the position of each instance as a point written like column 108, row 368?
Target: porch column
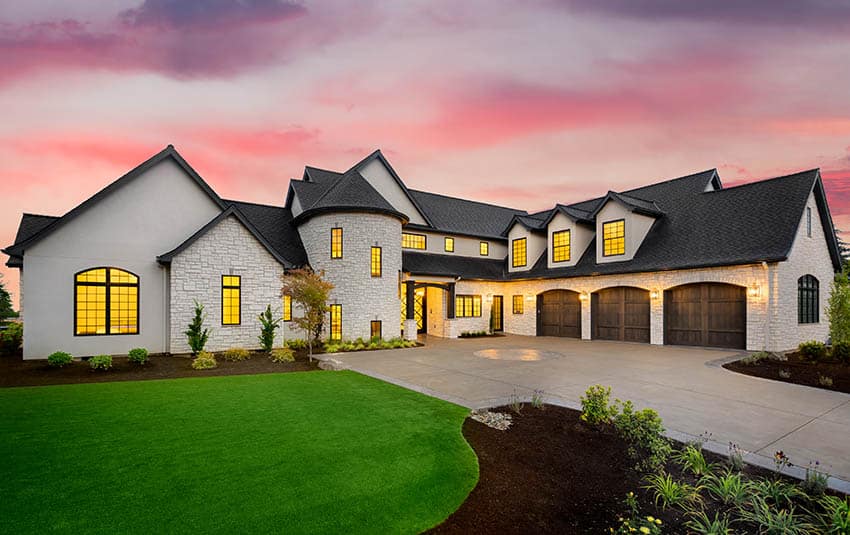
column 450, row 304
column 410, row 327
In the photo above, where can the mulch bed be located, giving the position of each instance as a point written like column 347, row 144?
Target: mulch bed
column 802, row 371
column 14, row 371
column 552, row 473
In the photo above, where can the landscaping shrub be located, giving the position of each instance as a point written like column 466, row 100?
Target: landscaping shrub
column 236, row 354
column 138, row 355
column 100, row 362
column 776, row 492
column 835, row 518
column 644, row 432
column 59, row 359
column 816, row 481
column 268, row 325
column 11, row 338
column 296, row 344
column 813, row 350
column 595, row 408
column 730, row 488
column 771, row 520
column 701, row 523
column 473, row 334
column 668, row 492
column 758, row 356
column 838, row 310
column 204, row 361
column 841, row 352
column 691, row 459
column 282, row 354
column 196, row 334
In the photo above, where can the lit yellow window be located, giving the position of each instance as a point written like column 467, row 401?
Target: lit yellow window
column 561, row 246
column 106, row 302
column 376, row 262
column 450, row 245
column 287, row 308
column 231, row 300
column 375, row 328
column 336, row 243
column 517, row 304
column 518, row 252
column 484, row 248
column 412, row 241
column 467, row 306
column 614, row 238
column 336, row 322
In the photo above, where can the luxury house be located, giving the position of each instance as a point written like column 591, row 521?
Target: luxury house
column 684, row 261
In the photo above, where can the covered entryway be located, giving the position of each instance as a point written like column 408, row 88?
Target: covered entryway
column 620, row 313
column 709, row 314
column 559, row 314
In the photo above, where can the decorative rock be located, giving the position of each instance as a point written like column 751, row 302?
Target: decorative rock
column 332, row 365
column 496, row 420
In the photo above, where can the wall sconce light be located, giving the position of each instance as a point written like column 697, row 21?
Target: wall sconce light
column 489, row 298
column 754, row 290
column 583, row 296
column 529, row 297
column 653, row 294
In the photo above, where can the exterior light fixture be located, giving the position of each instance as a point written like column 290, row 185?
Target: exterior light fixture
column 754, row 290
column 529, row 297
column 653, row 294
column 583, row 296
column 489, row 298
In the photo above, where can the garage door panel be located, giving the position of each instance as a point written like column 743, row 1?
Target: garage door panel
column 559, row 314
column 620, row 313
column 706, row 314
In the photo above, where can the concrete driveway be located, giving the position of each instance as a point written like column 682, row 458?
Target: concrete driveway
column 687, row 386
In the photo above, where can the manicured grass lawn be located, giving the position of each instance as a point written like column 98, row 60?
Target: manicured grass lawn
column 295, row 453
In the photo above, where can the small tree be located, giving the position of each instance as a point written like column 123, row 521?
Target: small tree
column 310, row 291
column 6, row 310
column 838, row 310
column 196, row 333
column 268, row 324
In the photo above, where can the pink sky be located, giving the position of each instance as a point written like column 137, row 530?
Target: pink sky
column 521, row 103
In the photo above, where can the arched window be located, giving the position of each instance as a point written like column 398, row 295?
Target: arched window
column 106, row 301
column 808, row 301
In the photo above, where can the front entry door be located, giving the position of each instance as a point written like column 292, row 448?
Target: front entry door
column 498, row 314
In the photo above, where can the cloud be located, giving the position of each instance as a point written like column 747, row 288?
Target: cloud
column 209, row 14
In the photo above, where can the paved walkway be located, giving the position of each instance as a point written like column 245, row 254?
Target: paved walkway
column 687, row 386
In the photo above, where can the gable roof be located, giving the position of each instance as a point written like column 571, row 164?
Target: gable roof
column 348, row 192
column 462, row 216
column 576, row 214
column 274, row 223
column 533, row 223
column 378, row 155
column 633, row 204
column 232, row 210
column 168, row 152
column 30, row 225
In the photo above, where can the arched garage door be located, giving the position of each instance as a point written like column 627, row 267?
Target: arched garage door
column 620, row 313
column 559, row 314
column 708, row 314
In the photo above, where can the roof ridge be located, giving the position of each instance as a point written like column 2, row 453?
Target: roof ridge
column 712, row 170
column 331, row 187
column 322, row 169
column 254, row 203
column 765, row 180
column 40, row 215
column 468, row 200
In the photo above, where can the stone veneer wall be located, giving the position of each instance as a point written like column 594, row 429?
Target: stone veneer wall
column 227, row 249
column 363, row 298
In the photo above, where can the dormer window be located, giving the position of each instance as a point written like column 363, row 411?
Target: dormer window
column 449, row 245
column 561, row 246
column 614, row 238
column 519, row 250
column 484, row 248
column 413, row 241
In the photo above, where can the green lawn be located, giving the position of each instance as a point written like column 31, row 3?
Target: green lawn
column 295, row 453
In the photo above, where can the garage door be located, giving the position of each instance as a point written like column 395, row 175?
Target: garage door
column 620, row 313
column 559, row 314
column 707, row 314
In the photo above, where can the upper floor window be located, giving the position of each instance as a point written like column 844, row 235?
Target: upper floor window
column 336, row 243
column 467, row 306
column 231, row 299
column 517, row 304
column 449, row 245
column 808, row 299
column 106, row 302
column 518, row 252
column 561, row 246
column 376, row 262
column 484, row 248
column 287, row 308
column 336, row 322
column 614, row 238
column 808, row 221
column 413, row 241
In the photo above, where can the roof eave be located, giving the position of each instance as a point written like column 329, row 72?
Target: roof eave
column 312, row 212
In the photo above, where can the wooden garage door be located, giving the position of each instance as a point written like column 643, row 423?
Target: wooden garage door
column 559, row 314
column 708, row 314
column 620, row 313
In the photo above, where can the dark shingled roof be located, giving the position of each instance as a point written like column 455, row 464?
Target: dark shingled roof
column 461, row 216
column 274, row 223
column 348, row 192
column 31, row 224
column 314, row 174
column 464, row 267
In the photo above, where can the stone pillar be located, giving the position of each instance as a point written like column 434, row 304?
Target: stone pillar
column 585, row 317
column 450, row 303
column 410, row 330
column 656, row 318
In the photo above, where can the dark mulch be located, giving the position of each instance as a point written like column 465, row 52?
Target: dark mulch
column 552, row 473
column 802, row 371
column 15, row 371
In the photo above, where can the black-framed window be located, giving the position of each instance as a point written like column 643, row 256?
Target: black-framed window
column 517, row 304
column 467, row 306
column 413, row 241
column 375, row 262
column 614, row 237
column 519, row 252
column 375, row 329
column 808, row 299
column 231, row 300
column 287, row 308
column 449, row 245
column 484, row 248
column 106, row 302
column 336, row 322
column 809, row 221
column 561, row 246
column 336, row 242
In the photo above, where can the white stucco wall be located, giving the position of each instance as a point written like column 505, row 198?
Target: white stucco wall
column 126, row 229
column 535, row 244
column 464, row 245
column 580, row 238
column 227, row 249
column 380, row 178
column 363, row 298
column 636, row 228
